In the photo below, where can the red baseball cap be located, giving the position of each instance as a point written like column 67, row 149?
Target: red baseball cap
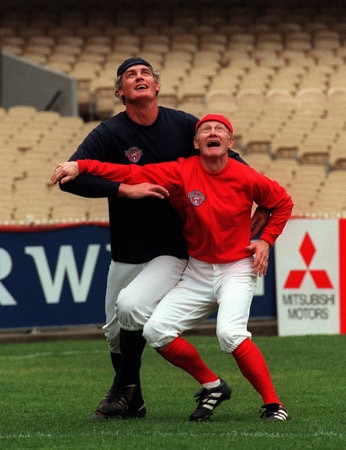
column 216, row 118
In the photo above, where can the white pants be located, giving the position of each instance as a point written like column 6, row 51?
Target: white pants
column 134, row 290
column 205, row 288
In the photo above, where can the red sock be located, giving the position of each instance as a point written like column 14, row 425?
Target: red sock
column 182, row 354
column 254, row 368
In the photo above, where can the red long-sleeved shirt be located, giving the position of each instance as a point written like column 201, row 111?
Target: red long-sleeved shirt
column 215, row 206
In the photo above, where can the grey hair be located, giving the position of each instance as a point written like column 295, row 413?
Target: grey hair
column 119, row 84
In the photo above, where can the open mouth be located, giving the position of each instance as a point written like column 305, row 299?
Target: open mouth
column 140, row 87
column 213, row 144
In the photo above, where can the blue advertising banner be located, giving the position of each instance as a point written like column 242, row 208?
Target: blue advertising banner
column 264, row 301
column 57, row 276
column 53, row 277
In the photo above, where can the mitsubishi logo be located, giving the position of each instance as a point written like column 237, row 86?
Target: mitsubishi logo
column 320, row 277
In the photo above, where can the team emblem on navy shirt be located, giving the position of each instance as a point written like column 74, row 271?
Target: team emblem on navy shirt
column 133, row 154
column 196, row 198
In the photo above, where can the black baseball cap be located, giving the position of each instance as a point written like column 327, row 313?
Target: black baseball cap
column 131, row 62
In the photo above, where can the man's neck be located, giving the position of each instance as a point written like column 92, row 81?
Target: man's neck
column 214, row 164
column 143, row 113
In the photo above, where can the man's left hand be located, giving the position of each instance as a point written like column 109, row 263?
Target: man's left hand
column 261, row 250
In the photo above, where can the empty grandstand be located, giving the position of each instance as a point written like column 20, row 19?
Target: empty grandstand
column 276, row 69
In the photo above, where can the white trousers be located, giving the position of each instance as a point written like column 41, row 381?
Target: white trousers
column 205, row 288
column 134, row 290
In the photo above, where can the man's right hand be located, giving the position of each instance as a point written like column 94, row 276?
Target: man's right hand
column 65, row 172
column 137, row 191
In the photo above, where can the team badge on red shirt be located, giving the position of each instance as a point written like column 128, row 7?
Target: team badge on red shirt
column 134, row 154
column 196, row 198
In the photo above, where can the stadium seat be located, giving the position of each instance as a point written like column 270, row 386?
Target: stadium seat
column 59, row 31
column 306, row 186
column 26, row 31
column 103, row 98
column 184, row 42
column 336, row 97
column 44, row 40
column 313, row 96
column 297, row 57
column 97, row 209
column 315, row 25
column 22, row 114
column 287, row 27
column 337, row 78
column 261, row 27
column 278, row 72
column 258, row 79
column 6, row 32
column 283, row 170
column 329, row 201
column 311, row 152
column 228, row 78
column 155, row 55
column 69, row 209
column 13, row 40
column 287, row 78
column 268, row 57
column 316, row 78
column 220, row 101
column 298, row 40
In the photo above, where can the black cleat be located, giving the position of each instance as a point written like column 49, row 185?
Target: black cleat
column 134, row 412
column 118, row 404
column 107, row 399
column 209, row 399
column 273, row 412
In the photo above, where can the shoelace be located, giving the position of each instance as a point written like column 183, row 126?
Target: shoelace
column 207, row 399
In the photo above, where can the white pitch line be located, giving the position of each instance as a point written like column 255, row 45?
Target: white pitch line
column 257, row 434
column 40, row 354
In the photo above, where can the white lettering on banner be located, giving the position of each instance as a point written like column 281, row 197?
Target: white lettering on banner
column 6, row 298
column 66, row 264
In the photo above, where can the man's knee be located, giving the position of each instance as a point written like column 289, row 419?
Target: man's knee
column 155, row 335
column 132, row 313
column 229, row 340
column 126, row 302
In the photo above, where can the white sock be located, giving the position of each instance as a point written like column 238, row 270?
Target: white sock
column 212, row 384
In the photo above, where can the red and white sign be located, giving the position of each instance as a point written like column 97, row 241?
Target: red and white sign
column 310, row 267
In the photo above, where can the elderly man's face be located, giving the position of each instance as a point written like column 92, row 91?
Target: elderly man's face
column 213, row 139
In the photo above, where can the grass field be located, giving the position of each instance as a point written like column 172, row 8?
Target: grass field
column 49, row 389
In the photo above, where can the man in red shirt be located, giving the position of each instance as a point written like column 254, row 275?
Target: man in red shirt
column 214, row 196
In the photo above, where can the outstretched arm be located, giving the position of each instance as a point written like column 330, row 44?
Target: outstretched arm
column 69, row 170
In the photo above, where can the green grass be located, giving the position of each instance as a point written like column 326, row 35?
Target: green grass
column 49, row 389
